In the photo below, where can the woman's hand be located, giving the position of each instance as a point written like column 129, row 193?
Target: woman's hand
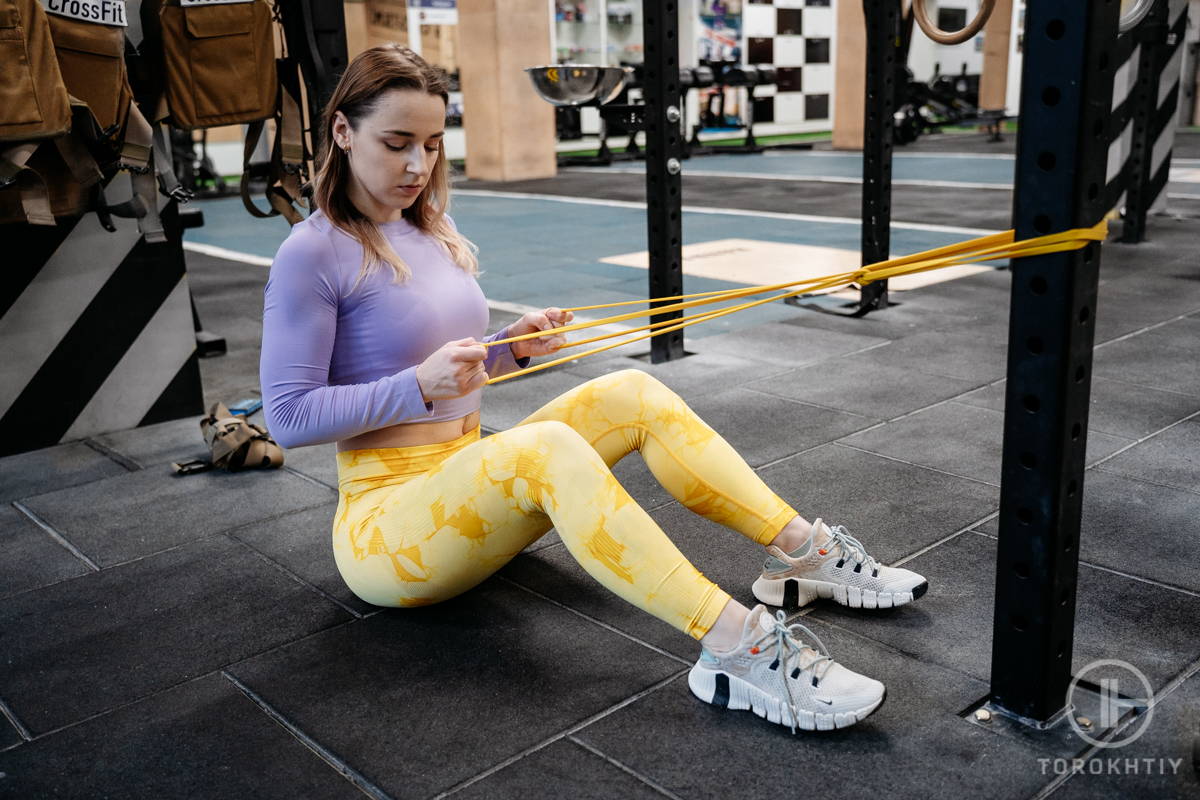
column 539, row 321
column 454, row 369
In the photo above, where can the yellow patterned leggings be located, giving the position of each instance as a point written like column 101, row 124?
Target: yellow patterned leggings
column 416, row 525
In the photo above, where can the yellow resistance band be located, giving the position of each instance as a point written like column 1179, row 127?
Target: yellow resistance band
column 985, row 248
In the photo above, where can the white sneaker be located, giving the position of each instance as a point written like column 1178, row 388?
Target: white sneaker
column 776, row 675
column 840, row 570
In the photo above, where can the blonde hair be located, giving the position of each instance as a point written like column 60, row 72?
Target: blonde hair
column 367, row 77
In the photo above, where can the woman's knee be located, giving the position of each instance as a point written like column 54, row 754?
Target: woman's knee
column 639, row 387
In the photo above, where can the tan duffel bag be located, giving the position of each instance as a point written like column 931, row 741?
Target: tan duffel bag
column 33, row 99
column 220, row 59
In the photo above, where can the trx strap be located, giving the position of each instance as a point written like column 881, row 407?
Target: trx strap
column 235, row 443
column 985, row 248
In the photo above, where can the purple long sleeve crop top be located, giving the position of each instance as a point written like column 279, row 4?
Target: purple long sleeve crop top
column 339, row 360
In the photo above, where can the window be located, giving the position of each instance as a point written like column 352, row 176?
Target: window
column 816, row 51
column 760, row 51
column 787, row 21
column 764, row 109
column 816, row 106
column 787, row 79
column 952, row 19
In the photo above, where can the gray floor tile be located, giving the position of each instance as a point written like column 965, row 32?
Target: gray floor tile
column 690, row 377
column 29, row 557
column 861, row 386
column 1163, row 358
column 1138, row 528
column 1170, row 735
column 111, row 637
column 1172, row 457
column 482, row 676
column 959, row 439
column 789, row 345
column 200, row 739
column 1116, row 617
column 507, row 403
column 1117, row 408
column 722, row 555
column 301, row 542
column 763, row 427
column 9, row 737
column 51, row 468
column 564, row 769
column 964, row 354
column 916, row 739
column 894, row 508
column 138, row 513
column 153, row 445
column 318, row 462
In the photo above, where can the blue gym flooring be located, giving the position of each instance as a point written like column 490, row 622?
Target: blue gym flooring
column 547, row 252
column 959, row 168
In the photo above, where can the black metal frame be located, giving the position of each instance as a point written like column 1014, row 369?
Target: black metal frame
column 1158, row 41
column 885, row 42
column 1062, row 146
column 664, row 149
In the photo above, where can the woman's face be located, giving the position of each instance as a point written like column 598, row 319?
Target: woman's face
column 392, row 151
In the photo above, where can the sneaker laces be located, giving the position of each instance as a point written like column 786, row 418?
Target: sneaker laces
column 851, row 547
column 787, row 646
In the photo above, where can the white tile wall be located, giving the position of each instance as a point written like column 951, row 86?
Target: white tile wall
column 758, row 20
column 818, row 79
column 789, row 107
column 818, row 22
column 789, row 51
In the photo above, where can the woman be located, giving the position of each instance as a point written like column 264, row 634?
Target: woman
column 370, row 339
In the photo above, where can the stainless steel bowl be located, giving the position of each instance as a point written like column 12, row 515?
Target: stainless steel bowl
column 577, row 84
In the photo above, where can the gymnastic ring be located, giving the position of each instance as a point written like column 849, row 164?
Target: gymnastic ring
column 957, row 37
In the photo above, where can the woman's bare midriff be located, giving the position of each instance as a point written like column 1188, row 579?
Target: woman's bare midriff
column 411, row 434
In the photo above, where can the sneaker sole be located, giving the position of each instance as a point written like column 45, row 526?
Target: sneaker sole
column 729, row 691
column 792, row 592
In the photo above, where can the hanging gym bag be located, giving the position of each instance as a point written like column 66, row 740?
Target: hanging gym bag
column 220, row 59
column 33, row 100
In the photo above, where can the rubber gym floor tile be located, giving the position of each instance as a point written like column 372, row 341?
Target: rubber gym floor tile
column 763, row 427
column 722, row 555
column 132, row 515
column 916, row 739
column 887, row 521
column 690, row 377
column 318, row 462
column 563, row 769
column 1171, row 457
column 483, row 676
column 860, row 386
column 506, row 403
column 106, row 639
column 789, row 345
column 29, row 557
column 1164, row 756
column 1115, row 616
column 964, row 354
column 1138, row 528
column 51, row 468
column 1162, row 358
column 9, row 737
column 1117, row 408
column 203, row 738
column 959, row 439
column 153, row 445
column 301, row 542
column 895, row 509
column 1138, row 300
